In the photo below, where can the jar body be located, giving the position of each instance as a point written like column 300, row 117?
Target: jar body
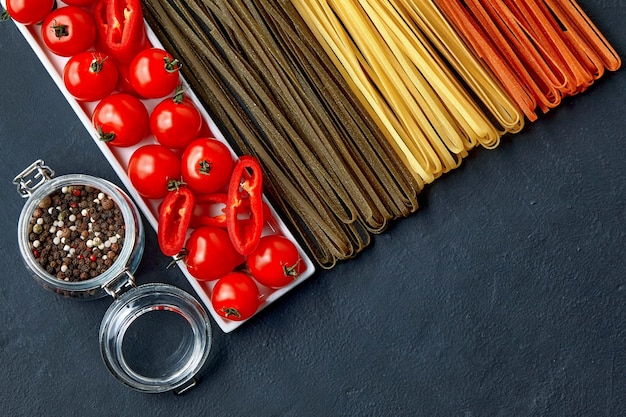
column 127, row 260
column 155, row 338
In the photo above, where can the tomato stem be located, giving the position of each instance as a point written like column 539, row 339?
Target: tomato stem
column 231, row 312
column 173, row 185
column 292, row 271
column 96, row 65
column 172, row 64
column 59, row 30
column 179, row 95
column 105, row 137
column 204, row 167
column 5, row 16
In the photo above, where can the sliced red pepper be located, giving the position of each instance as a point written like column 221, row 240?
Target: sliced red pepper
column 244, row 207
column 120, row 29
column 174, row 218
column 204, row 212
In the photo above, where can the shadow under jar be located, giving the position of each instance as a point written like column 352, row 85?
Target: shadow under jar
column 82, row 237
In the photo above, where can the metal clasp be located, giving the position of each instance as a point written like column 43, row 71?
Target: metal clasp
column 32, row 177
column 120, row 284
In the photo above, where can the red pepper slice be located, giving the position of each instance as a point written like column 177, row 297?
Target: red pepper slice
column 174, row 218
column 203, row 214
column 120, row 29
column 244, row 207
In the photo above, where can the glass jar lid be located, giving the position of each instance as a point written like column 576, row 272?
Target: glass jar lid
column 155, row 338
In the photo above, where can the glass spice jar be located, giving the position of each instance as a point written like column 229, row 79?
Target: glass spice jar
column 37, row 184
column 156, row 352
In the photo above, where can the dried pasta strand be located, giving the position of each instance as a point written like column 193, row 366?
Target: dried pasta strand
column 516, row 59
column 592, row 35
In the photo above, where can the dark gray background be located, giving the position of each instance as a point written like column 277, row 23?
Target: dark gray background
column 502, row 296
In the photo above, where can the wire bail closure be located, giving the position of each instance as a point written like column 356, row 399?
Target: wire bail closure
column 32, row 177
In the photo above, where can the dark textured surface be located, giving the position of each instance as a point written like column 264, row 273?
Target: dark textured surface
column 502, row 296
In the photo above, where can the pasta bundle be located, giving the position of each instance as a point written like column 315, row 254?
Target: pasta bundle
column 541, row 50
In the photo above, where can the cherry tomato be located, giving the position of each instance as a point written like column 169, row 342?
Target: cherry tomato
column 68, row 30
column 206, row 165
column 235, row 296
column 29, row 12
column 175, row 121
column 90, row 76
column 121, row 120
column 275, row 262
column 210, row 253
column 154, row 73
column 150, row 169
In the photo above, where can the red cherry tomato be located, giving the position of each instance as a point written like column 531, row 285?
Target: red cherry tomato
column 206, row 165
column 275, row 262
column 175, row 121
column 154, row 73
column 150, row 169
column 235, row 296
column 90, row 76
column 121, row 120
column 29, row 12
column 68, row 30
column 210, row 254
